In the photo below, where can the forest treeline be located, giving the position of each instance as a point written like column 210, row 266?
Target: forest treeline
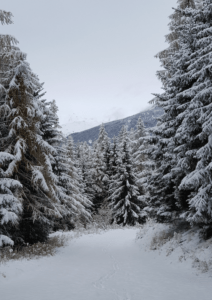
column 49, row 183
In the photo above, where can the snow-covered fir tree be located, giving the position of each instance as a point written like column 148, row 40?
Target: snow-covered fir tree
column 113, row 156
column 195, row 130
column 124, row 194
column 61, row 168
column 163, row 184
column 103, row 143
column 68, row 182
column 99, row 167
column 83, row 159
column 87, row 171
column 132, row 135
column 184, row 144
column 141, row 164
column 10, row 203
column 52, row 135
column 121, row 134
column 103, row 216
column 31, row 155
column 77, row 187
column 10, row 189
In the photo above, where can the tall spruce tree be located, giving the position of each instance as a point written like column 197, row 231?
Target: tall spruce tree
column 23, row 139
column 113, row 157
column 165, row 199
column 124, row 193
column 99, row 167
column 85, row 165
column 59, row 162
column 142, row 166
column 77, row 187
column 195, row 130
column 10, row 203
column 10, row 189
column 68, row 188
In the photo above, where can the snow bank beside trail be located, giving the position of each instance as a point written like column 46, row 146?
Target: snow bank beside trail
column 177, row 246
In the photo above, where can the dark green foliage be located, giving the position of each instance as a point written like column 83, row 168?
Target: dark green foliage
column 32, row 231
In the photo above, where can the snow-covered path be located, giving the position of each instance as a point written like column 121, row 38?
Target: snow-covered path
column 108, row 266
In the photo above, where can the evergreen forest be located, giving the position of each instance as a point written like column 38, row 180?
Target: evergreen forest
column 49, row 183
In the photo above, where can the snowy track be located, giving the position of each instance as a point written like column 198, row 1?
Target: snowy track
column 108, row 266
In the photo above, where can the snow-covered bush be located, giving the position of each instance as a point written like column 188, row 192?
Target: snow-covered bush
column 103, row 217
column 36, row 250
column 177, row 243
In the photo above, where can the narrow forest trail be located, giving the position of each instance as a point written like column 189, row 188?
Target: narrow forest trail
column 107, row 266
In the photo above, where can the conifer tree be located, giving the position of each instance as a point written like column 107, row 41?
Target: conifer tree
column 10, row 189
column 98, row 174
column 99, row 168
column 77, row 187
column 113, row 157
column 10, row 203
column 85, row 168
column 194, row 132
column 68, row 188
column 103, row 143
column 163, row 184
column 101, row 137
column 50, row 122
column 142, row 166
column 124, row 194
column 106, row 157
column 121, row 134
column 31, row 164
column 132, row 135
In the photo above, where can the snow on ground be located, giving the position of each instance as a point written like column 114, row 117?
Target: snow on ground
column 113, row 265
column 184, row 246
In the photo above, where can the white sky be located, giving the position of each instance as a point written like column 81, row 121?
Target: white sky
column 96, row 57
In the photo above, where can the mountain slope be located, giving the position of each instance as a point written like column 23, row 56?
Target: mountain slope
column 149, row 118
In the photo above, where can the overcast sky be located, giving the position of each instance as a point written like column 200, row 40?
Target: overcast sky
column 96, row 57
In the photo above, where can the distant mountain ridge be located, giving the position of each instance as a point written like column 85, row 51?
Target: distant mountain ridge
column 149, row 117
